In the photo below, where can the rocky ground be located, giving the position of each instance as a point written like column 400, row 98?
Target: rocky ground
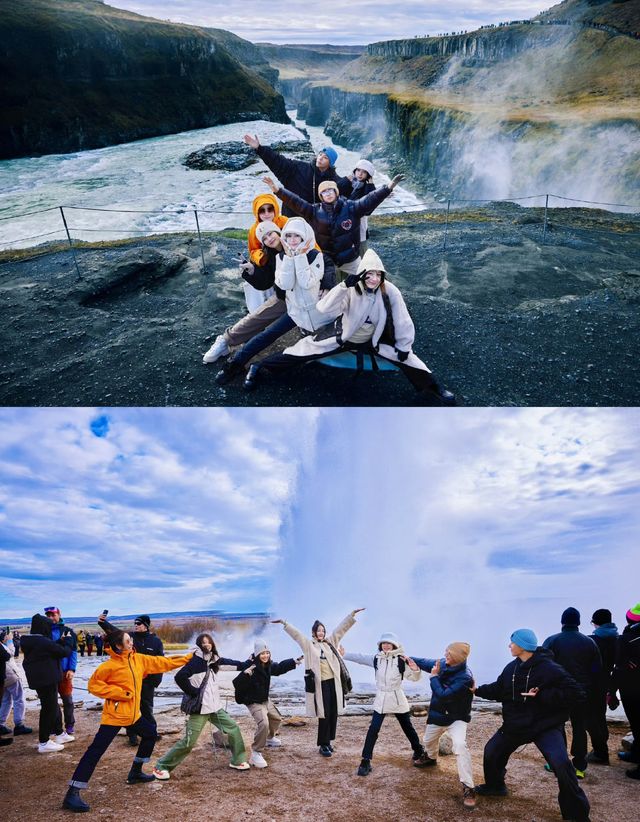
column 501, row 318
column 299, row 785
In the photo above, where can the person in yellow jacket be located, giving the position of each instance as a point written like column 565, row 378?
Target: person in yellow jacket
column 118, row 681
column 265, row 209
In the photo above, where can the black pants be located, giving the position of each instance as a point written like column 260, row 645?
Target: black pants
column 48, row 697
column 552, row 745
column 101, row 741
column 147, row 693
column 578, row 719
column 597, row 723
column 327, row 726
column 374, row 729
column 631, row 705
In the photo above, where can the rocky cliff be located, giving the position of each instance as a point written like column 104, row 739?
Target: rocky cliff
column 78, row 74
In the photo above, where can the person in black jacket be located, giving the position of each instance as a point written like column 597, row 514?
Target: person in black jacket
column 5, row 656
column 626, row 679
column 579, row 655
column 336, row 220
column 145, row 642
column 299, row 176
column 361, row 185
column 537, row 695
column 252, row 689
column 605, row 636
column 43, row 671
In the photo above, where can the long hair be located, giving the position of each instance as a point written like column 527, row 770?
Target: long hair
column 115, row 639
column 316, row 625
column 214, row 651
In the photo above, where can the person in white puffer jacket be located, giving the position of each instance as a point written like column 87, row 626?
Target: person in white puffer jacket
column 390, row 665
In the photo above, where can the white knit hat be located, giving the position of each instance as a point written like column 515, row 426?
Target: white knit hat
column 367, row 166
column 265, row 228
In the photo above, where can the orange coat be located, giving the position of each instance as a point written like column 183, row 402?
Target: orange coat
column 118, row 681
column 257, row 255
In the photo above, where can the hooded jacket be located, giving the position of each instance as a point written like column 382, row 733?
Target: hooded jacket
column 191, row 678
column 626, row 674
column 606, row 638
column 258, row 254
column 299, row 274
column 390, row 698
column 300, row 176
column 42, row 655
column 253, row 687
column 525, row 717
column 336, row 225
column 450, row 695
column 119, row 681
column 578, row 654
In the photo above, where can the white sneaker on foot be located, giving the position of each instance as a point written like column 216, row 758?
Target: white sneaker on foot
column 243, row 766
column 217, row 350
column 257, row 760
column 49, row 747
column 274, row 742
column 160, row 773
column 63, row 737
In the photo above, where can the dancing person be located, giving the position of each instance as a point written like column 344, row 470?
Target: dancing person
column 373, row 320
column 391, row 669
column 202, row 703
column 325, row 698
column 252, row 689
column 537, row 695
column 450, row 710
column 119, row 681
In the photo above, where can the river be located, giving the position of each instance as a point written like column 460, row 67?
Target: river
column 147, row 180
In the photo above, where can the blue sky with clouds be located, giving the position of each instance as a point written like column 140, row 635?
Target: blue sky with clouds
column 333, row 21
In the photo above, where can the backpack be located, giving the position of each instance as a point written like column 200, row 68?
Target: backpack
column 401, row 664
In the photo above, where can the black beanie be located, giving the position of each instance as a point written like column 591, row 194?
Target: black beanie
column 601, row 616
column 570, row 617
column 145, row 619
column 41, row 625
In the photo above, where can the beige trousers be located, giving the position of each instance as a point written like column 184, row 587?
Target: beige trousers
column 458, row 733
column 267, row 718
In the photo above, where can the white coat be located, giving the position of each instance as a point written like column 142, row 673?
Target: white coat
column 390, row 698
column 299, row 277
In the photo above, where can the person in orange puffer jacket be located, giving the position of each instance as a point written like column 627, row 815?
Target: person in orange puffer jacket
column 265, row 208
column 118, row 681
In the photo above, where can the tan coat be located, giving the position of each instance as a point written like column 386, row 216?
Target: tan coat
column 311, row 648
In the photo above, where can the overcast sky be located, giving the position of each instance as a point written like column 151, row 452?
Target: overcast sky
column 334, row 21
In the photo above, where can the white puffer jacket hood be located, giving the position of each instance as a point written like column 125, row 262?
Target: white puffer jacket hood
column 370, row 262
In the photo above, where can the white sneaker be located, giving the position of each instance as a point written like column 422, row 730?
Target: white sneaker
column 243, row 766
column 274, row 742
column 257, row 760
column 160, row 773
column 49, row 747
column 63, row 737
column 217, row 350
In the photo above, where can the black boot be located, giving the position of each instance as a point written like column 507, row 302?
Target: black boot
column 231, row 369
column 136, row 775
column 251, row 380
column 365, row 767
column 436, row 394
column 74, row 802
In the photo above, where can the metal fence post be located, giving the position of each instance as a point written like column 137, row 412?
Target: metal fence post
column 195, row 211
column 73, row 251
column 446, row 226
column 544, row 228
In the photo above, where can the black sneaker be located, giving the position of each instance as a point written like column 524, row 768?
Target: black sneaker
column 4, row 730
column 633, row 774
column 251, row 381
column 424, row 762
column 594, row 759
column 365, row 767
column 21, row 729
column 325, row 750
column 230, row 370
column 418, row 754
column 490, row 790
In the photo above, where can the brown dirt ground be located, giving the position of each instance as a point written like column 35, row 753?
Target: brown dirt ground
column 299, row 784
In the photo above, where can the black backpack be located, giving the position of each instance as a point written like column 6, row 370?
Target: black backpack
column 401, row 664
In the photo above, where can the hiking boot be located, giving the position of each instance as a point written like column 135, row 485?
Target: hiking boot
column 594, row 759
column 251, row 380
column 22, row 729
column 468, row 797
column 161, row 773
column 231, row 369
column 438, row 395
column 491, row 790
column 137, row 775
column 365, row 767
column 4, row 730
column 63, row 737
column 241, row 766
column 418, row 754
column 634, row 773
column 5, row 742
column 217, row 350
column 275, row 742
column 49, row 747
column 257, row 760
column 74, row 802
column 424, row 762
column 133, row 740
column 325, row 750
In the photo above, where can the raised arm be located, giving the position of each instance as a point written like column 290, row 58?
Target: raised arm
column 160, row 664
column 297, row 204
column 361, row 659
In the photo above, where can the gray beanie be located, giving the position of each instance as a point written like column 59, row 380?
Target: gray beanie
column 259, row 646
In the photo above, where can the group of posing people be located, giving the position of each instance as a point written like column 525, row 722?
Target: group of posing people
column 309, row 268
column 570, row 676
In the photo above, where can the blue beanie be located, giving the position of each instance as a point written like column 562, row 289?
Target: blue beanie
column 331, row 153
column 525, row 638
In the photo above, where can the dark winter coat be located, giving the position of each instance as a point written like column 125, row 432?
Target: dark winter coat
column 254, row 687
column 263, row 276
column 626, row 674
column 145, row 643
column 192, row 678
column 5, row 656
column 606, row 638
column 578, row 654
column 42, row 655
column 450, row 695
column 360, row 189
column 527, row 717
column 300, row 176
column 336, row 225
